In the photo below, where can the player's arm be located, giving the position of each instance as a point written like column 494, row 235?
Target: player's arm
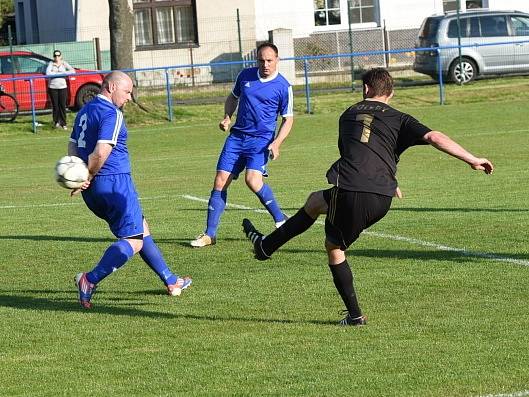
column 229, row 108
column 284, row 130
column 445, row 144
column 98, row 157
column 72, row 149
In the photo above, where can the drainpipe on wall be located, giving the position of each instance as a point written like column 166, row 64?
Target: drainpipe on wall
column 76, row 10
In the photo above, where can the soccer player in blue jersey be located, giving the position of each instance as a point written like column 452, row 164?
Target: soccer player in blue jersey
column 99, row 137
column 261, row 94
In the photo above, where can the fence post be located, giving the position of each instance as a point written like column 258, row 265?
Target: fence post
column 33, row 114
column 98, row 54
column 349, row 6
column 385, row 40
column 169, row 97
column 307, row 85
column 440, row 75
column 239, row 33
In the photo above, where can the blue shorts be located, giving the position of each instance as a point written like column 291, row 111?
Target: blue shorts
column 242, row 151
column 114, row 199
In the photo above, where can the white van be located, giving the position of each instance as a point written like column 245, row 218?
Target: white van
column 477, row 27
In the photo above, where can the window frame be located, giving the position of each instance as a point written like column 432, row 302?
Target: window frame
column 152, row 5
column 373, row 7
column 326, row 10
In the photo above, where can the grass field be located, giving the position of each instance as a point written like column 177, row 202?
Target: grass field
column 442, row 278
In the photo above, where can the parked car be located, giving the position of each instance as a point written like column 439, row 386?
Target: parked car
column 477, row 27
column 81, row 89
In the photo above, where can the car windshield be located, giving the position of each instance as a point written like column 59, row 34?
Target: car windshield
column 429, row 28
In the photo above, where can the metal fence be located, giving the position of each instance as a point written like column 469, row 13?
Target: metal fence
column 172, row 82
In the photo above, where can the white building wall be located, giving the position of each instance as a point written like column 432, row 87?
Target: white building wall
column 519, row 5
column 93, row 21
column 407, row 14
column 297, row 15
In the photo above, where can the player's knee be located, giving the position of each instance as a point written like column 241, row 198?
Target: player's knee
column 254, row 183
column 136, row 244
column 315, row 204
column 334, row 253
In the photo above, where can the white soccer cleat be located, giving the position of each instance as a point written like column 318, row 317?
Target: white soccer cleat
column 203, row 240
column 181, row 284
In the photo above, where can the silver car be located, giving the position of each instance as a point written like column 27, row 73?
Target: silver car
column 479, row 30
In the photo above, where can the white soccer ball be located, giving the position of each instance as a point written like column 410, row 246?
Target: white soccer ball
column 71, row 172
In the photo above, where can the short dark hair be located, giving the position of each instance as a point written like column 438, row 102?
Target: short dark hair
column 56, row 52
column 379, row 80
column 267, row 45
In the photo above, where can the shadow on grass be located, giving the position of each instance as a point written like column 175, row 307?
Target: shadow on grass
column 460, row 209
column 426, row 255
column 63, row 305
column 60, row 238
column 70, row 305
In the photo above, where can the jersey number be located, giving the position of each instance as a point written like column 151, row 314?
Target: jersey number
column 367, row 120
column 82, row 123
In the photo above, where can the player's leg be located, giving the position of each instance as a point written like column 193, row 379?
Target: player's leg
column 255, row 152
column 254, row 180
column 153, row 257
column 343, row 281
column 265, row 246
column 114, row 199
column 216, row 205
column 229, row 166
column 349, row 213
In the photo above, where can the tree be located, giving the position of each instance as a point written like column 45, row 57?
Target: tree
column 6, row 7
column 121, row 21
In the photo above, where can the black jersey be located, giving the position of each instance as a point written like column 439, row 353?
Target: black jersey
column 372, row 135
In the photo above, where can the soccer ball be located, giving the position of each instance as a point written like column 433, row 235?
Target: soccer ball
column 71, row 172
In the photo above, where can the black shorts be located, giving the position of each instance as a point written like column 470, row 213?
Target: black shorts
column 350, row 213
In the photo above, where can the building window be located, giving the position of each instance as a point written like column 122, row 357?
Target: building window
column 164, row 23
column 327, row 12
column 451, row 5
column 362, row 11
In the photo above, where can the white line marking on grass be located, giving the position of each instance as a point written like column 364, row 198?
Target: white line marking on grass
column 409, row 240
column 4, row 207
column 522, row 393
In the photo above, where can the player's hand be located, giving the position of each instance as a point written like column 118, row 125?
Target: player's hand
column 225, row 124
column 483, row 165
column 273, row 152
column 75, row 192
column 398, row 193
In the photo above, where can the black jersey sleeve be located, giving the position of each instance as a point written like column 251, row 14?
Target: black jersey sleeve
column 411, row 133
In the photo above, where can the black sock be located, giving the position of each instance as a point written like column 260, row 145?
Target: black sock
column 343, row 280
column 300, row 222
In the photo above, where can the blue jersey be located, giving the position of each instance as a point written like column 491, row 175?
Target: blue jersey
column 102, row 121
column 260, row 102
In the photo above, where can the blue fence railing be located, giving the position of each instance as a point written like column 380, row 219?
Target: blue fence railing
column 440, row 65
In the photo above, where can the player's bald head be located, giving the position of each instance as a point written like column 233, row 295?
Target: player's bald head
column 116, row 77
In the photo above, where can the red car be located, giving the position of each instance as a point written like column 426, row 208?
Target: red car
column 81, row 89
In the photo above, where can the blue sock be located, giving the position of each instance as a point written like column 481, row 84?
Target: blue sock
column 266, row 196
column 216, row 205
column 152, row 256
column 114, row 257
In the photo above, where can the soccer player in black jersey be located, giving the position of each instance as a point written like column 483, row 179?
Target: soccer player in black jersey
column 372, row 136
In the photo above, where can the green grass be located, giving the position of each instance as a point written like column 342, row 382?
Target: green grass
column 441, row 323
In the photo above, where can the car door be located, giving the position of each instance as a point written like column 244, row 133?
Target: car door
column 30, row 66
column 520, row 31
column 8, row 70
column 496, row 58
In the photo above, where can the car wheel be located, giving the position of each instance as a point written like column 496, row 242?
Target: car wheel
column 85, row 94
column 464, row 71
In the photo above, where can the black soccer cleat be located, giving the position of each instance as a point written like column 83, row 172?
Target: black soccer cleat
column 349, row 321
column 256, row 238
